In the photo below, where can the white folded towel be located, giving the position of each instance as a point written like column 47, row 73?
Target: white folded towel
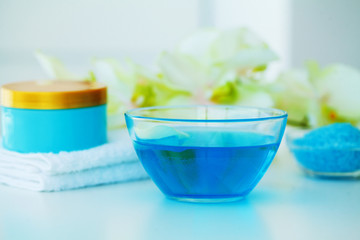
column 113, row 162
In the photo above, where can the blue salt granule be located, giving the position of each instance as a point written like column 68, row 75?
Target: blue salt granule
column 337, row 135
column 331, row 149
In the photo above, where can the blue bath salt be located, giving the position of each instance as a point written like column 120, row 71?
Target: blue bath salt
column 207, row 164
column 331, row 149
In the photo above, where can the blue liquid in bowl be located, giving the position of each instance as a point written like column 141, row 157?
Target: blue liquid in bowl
column 207, row 164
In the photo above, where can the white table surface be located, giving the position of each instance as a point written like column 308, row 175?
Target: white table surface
column 285, row 205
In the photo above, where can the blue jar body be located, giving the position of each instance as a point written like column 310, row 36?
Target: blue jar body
column 35, row 130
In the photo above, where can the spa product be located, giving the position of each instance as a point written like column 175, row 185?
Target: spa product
column 53, row 116
column 333, row 150
column 206, row 153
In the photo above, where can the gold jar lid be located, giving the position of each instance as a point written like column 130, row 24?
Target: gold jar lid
column 53, row 94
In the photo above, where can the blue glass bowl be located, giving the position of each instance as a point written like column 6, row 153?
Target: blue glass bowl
column 206, row 153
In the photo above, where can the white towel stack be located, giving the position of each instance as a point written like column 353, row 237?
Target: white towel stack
column 113, row 162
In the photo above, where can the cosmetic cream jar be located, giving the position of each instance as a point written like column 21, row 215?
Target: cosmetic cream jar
column 53, row 116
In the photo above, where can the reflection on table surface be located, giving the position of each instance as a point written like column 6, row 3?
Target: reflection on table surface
column 285, row 205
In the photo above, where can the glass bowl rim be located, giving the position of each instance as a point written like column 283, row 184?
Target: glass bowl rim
column 130, row 113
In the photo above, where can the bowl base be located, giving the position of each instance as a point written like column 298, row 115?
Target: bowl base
column 355, row 174
column 206, row 200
